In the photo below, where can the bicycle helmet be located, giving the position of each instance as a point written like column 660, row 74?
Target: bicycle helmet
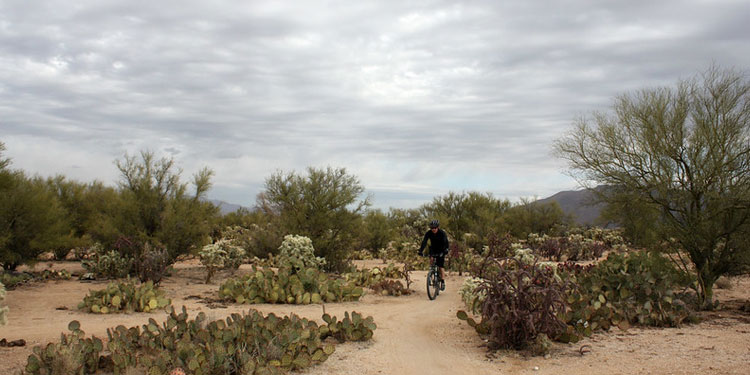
column 434, row 224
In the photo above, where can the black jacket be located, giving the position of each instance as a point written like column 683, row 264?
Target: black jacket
column 438, row 242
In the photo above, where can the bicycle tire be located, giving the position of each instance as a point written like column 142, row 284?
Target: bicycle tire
column 433, row 287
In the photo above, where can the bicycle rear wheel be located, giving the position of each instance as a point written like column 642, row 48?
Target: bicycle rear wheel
column 433, row 285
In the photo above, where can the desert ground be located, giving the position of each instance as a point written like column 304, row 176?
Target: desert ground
column 414, row 335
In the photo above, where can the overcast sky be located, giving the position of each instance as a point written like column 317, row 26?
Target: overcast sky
column 415, row 98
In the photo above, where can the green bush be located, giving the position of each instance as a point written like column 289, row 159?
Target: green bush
column 156, row 207
column 324, row 206
column 31, row 219
column 12, row 280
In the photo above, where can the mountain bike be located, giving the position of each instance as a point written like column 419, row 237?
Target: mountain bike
column 433, row 280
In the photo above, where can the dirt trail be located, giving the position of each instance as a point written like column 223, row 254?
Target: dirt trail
column 414, row 335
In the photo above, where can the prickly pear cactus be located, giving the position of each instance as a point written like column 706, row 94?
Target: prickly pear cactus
column 74, row 354
column 125, row 297
column 302, row 286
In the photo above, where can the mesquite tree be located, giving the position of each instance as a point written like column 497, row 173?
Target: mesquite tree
column 685, row 151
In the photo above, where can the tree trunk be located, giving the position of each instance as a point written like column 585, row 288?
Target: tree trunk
column 706, row 282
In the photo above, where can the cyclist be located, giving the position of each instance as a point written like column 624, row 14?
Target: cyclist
column 438, row 247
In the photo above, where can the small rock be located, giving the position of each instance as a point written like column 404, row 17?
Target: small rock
column 536, row 368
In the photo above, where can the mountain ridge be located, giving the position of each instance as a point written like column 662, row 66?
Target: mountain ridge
column 580, row 204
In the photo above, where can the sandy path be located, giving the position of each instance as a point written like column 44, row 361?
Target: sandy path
column 414, row 335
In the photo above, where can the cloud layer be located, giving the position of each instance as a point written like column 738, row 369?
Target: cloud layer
column 415, row 98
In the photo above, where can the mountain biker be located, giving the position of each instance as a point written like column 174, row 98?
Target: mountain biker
column 438, row 247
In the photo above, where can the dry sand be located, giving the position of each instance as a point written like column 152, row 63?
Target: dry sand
column 414, row 335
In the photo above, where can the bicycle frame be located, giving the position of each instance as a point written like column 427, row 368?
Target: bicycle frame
column 433, row 279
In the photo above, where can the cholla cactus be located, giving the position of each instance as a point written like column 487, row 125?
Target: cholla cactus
column 110, row 264
column 469, row 295
column 241, row 237
column 3, row 309
column 235, row 254
column 213, row 256
column 298, row 252
column 522, row 254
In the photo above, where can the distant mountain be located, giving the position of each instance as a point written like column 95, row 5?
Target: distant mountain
column 579, row 204
column 225, row 207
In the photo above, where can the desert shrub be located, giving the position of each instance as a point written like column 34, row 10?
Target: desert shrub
column 13, row 279
column 724, row 283
column 87, row 251
column 497, row 248
column 157, row 208
column 125, row 297
column 32, row 220
column 264, row 240
column 3, row 309
column 551, row 248
column 74, row 354
column 298, row 252
column 152, row 263
column 240, row 237
column 108, row 264
column 405, row 252
column 459, row 258
column 54, row 275
column 576, row 244
column 362, row 254
column 522, row 302
column 324, row 206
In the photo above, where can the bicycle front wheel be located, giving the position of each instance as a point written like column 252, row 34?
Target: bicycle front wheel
column 433, row 285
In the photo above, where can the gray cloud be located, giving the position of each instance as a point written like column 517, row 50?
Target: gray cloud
column 416, row 98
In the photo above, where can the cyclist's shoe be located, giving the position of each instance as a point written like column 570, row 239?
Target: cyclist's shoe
column 442, row 284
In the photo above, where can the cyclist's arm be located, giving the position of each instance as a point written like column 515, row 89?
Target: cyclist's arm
column 424, row 243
